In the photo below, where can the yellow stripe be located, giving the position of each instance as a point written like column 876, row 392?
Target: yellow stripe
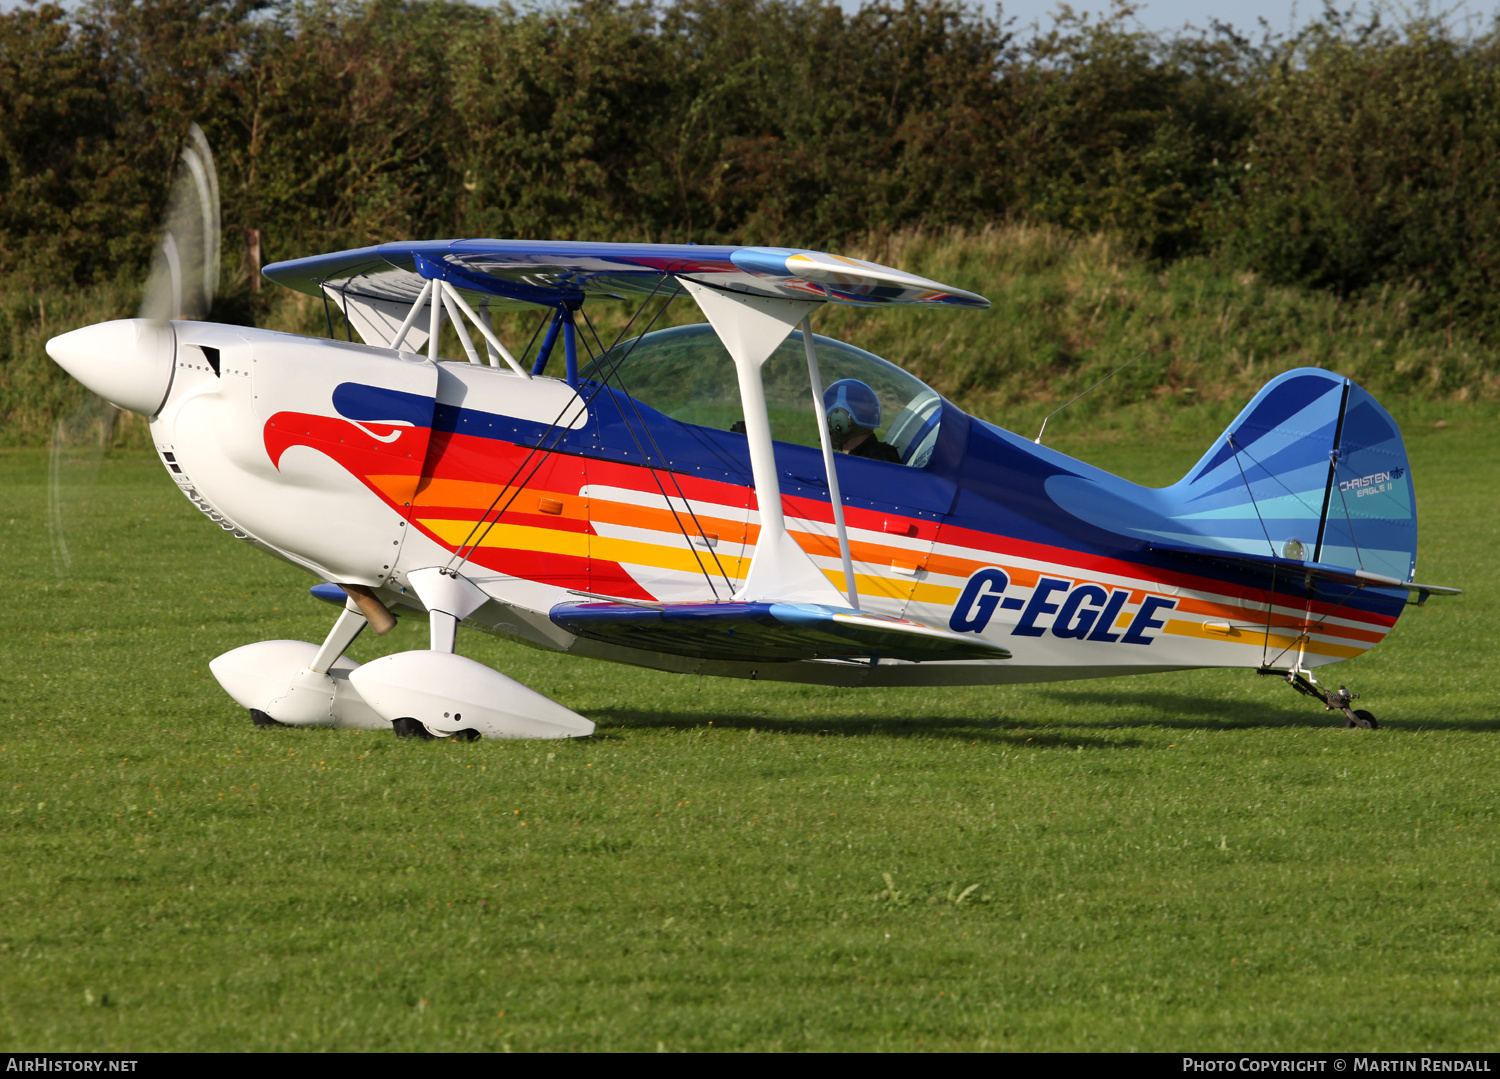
column 1259, row 637
column 938, row 594
column 583, row 545
column 884, row 587
column 656, row 556
column 635, row 553
column 515, row 537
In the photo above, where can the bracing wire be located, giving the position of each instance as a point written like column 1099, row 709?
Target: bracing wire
column 460, row 556
column 1270, row 544
column 1307, row 630
column 510, row 485
column 1279, row 482
column 687, row 505
column 323, row 288
column 526, row 352
column 660, row 456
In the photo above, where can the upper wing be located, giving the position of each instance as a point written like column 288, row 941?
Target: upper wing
column 515, row 273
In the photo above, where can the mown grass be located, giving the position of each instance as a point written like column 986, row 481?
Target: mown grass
column 1191, row 861
column 1068, row 310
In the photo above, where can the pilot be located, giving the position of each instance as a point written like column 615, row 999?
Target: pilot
column 853, row 412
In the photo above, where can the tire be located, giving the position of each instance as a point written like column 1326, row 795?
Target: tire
column 406, row 727
column 1368, row 717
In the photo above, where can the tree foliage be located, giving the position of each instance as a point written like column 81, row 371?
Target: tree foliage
column 1348, row 156
column 1373, row 159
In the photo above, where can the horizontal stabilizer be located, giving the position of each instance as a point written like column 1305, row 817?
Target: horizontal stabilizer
column 767, row 632
column 1292, row 569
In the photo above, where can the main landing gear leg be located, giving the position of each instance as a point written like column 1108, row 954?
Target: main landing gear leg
column 351, row 622
column 1339, row 700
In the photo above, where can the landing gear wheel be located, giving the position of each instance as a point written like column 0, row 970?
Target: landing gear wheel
column 406, row 727
column 468, row 734
column 1339, row 700
column 261, row 720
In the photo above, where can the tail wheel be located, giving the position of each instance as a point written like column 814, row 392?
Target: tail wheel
column 1363, row 719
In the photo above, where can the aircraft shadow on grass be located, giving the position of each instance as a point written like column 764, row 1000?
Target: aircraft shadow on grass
column 1195, row 712
column 991, row 730
column 1175, row 711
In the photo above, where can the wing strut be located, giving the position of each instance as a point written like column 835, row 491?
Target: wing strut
column 455, row 300
column 411, row 316
column 833, row 477
column 751, row 328
column 441, row 299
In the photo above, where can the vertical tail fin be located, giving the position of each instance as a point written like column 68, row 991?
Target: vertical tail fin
column 1313, row 469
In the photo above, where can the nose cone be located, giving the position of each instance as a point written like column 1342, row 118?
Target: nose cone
column 127, row 362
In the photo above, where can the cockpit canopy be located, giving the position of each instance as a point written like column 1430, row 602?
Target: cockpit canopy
column 686, row 373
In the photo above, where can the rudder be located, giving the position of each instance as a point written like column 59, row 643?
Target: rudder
column 1371, row 518
column 1314, row 470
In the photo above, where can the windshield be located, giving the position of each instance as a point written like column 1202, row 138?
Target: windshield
column 686, row 373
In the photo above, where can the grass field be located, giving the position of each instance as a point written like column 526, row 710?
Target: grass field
column 1192, row 861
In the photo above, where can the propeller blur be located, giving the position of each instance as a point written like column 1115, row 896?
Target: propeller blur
column 128, row 364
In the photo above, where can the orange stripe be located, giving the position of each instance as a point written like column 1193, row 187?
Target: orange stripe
column 456, row 495
column 1278, row 621
column 1260, row 639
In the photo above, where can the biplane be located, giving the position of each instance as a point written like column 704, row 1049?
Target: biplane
column 738, row 497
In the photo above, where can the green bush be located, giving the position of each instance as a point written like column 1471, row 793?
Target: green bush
column 1373, row 160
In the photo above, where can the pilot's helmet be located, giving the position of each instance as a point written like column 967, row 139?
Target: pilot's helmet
column 850, row 403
